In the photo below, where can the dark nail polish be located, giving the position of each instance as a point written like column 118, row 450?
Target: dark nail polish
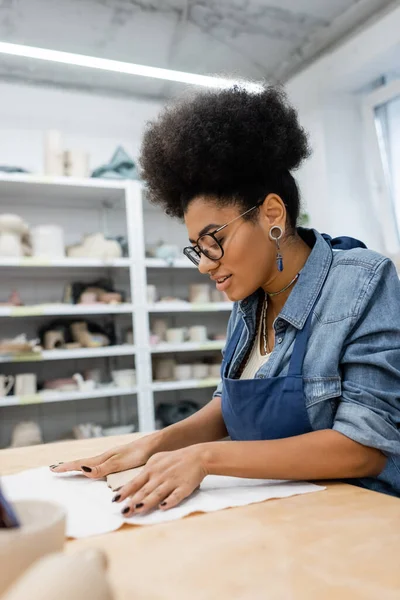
column 125, row 510
column 52, row 466
column 86, row 469
column 139, row 505
column 163, row 504
column 116, row 498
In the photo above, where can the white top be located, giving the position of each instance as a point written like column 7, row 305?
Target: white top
column 256, row 359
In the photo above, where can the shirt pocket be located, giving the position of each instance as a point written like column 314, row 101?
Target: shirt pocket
column 322, row 395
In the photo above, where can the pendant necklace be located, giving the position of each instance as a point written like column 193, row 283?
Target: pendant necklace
column 264, row 312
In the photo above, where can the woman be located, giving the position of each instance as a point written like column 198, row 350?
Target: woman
column 311, row 369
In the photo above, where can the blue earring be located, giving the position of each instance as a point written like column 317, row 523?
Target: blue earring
column 275, row 238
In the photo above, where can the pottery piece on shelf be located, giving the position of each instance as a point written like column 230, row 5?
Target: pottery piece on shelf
column 84, row 385
column 80, row 333
column 164, row 369
column 200, row 293
column 53, row 153
column 95, row 246
column 14, row 236
column 66, row 384
column 183, row 372
column 48, row 241
column 6, row 383
column 167, row 252
column 25, row 384
column 26, row 433
column 200, row 370
column 124, row 378
column 76, row 163
column 54, row 339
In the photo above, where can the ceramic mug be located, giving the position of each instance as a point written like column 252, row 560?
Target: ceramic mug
column 183, row 372
column 198, row 333
column 151, row 294
column 124, row 378
column 200, row 371
column 164, row 369
column 200, row 293
column 48, row 241
column 176, row 335
column 6, row 383
column 25, row 384
column 42, row 532
column 159, row 327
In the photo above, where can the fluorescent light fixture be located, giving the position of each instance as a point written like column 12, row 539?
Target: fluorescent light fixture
column 116, row 66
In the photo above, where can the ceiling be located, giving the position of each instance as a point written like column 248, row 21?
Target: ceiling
column 234, row 38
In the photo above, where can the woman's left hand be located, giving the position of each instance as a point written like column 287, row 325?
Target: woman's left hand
column 166, row 480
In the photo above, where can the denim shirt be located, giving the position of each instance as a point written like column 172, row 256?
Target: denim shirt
column 351, row 370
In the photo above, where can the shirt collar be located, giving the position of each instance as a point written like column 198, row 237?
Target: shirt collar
column 308, row 286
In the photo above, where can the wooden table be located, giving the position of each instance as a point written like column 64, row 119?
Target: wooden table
column 343, row 543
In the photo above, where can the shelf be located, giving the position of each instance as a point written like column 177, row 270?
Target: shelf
column 165, row 386
column 106, row 351
column 188, row 347
column 44, row 190
column 176, row 263
column 43, row 310
column 28, row 179
column 166, row 307
column 33, row 261
column 47, row 397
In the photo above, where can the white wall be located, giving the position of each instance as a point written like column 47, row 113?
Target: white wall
column 394, row 141
column 334, row 181
column 93, row 123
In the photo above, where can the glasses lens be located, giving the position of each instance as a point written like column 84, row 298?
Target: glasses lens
column 192, row 255
column 210, row 247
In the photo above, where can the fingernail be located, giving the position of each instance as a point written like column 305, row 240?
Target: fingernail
column 139, row 505
column 116, row 498
column 86, row 469
column 163, row 504
column 125, row 510
column 52, row 466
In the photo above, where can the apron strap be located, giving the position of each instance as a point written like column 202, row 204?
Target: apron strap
column 232, row 345
column 299, row 349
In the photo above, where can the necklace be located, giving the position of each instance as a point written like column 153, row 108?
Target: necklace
column 272, row 294
column 264, row 312
column 264, row 325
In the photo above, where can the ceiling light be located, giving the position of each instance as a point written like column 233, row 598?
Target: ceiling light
column 116, row 66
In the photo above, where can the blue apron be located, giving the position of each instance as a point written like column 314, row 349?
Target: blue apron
column 272, row 408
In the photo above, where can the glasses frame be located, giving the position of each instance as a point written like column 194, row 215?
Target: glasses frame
column 187, row 251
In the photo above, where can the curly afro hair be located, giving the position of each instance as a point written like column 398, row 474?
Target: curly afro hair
column 231, row 145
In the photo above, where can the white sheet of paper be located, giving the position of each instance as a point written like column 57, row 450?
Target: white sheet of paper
column 90, row 511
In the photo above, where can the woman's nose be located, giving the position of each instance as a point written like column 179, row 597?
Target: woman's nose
column 206, row 265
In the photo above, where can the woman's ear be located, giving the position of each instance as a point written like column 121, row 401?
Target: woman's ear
column 273, row 211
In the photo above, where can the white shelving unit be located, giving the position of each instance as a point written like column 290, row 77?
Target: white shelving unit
column 78, row 353
column 40, row 199
column 170, row 307
column 31, row 262
column 163, row 347
column 189, row 384
column 47, row 397
column 52, row 310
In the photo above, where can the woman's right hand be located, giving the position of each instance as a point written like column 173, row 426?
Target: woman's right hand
column 120, row 458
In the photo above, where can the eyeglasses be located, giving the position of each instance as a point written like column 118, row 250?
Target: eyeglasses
column 209, row 245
